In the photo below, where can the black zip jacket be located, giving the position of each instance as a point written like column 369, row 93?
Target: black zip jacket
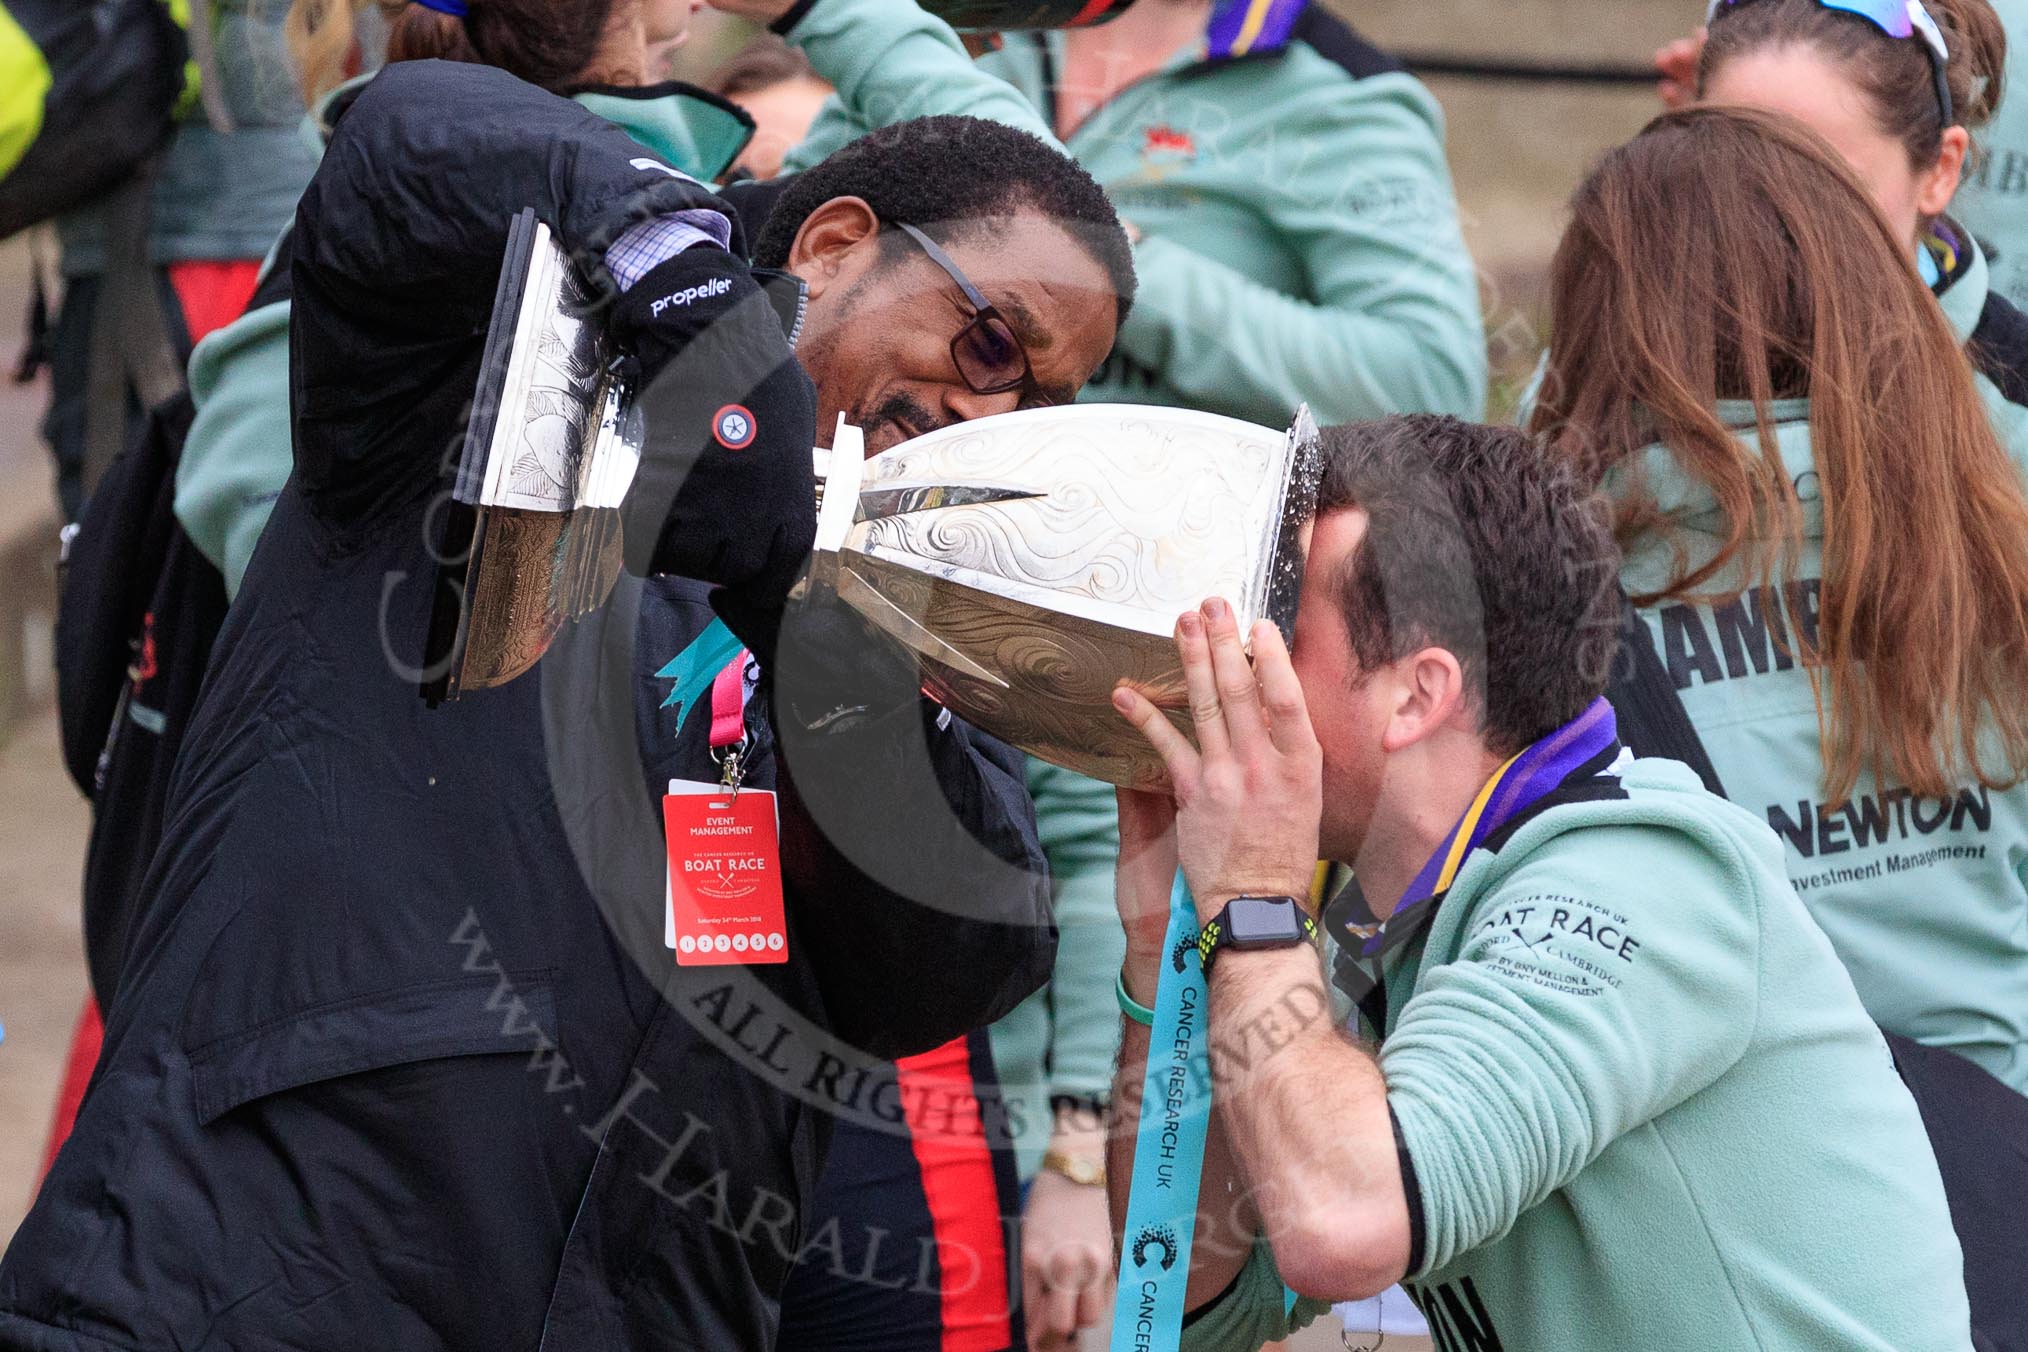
column 398, row 1059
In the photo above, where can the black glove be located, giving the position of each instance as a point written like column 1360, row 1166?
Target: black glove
column 725, row 493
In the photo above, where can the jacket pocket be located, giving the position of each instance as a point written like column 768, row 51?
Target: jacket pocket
column 479, row 1015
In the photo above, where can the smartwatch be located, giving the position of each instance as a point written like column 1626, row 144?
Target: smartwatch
column 1251, row 923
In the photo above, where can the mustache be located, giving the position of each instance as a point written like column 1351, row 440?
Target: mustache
column 904, row 410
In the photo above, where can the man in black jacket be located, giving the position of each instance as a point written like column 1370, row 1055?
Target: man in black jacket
column 398, row 1059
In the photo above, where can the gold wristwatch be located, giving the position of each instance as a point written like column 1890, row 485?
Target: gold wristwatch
column 1083, row 1170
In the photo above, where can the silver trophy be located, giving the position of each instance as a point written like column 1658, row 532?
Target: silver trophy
column 1035, row 560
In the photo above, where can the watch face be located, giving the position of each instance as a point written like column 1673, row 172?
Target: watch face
column 1263, row 922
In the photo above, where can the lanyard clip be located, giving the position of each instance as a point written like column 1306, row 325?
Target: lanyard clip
column 728, row 724
column 732, row 767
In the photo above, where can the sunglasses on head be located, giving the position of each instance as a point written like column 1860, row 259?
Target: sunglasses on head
column 989, row 358
column 1898, row 19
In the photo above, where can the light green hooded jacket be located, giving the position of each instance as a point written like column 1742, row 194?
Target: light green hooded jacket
column 1926, row 900
column 1645, row 1107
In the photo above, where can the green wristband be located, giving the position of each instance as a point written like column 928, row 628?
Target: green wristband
column 1129, row 1006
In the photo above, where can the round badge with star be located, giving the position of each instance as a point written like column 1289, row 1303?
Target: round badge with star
column 734, row 428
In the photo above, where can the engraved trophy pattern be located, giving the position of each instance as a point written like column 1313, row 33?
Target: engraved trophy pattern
column 561, row 381
column 550, row 450
column 1036, row 559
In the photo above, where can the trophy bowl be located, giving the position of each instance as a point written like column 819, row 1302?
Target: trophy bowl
column 1035, row 560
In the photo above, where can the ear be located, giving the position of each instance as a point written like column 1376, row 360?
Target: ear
column 1938, row 184
column 1428, row 689
column 829, row 236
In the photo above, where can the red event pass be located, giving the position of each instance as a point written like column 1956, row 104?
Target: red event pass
column 725, row 876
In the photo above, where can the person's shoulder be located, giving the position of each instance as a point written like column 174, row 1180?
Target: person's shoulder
column 1017, row 57
column 445, row 96
column 1330, row 76
column 1599, row 898
column 1343, row 46
column 1660, row 842
column 259, row 327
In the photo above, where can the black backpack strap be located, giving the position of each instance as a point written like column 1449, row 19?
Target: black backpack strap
column 1652, row 719
column 1999, row 348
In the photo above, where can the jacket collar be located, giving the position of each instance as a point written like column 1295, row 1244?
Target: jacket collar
column 1962, row 278
column 1236, row 30
column 1689, row 503
column 1963, row 282
column 1245, row 27
column 695, row 130
column 1577, row 763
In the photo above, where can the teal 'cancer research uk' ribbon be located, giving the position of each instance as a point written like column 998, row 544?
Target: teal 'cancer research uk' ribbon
column 697, row 666
column 1169, row 1149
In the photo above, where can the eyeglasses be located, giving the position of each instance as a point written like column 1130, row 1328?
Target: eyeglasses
column 989, row 358
column 1899, row 19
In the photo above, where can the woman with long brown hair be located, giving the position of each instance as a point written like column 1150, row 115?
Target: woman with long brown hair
column 1899, row 88
column 1827, row 541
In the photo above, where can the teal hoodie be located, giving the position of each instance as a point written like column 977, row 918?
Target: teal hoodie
column 1926, row 900
column 1300, row 231
column 1645, row 1107
column 1994, row 199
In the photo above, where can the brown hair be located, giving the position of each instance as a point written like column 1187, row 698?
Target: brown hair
column 762, row 64
column 1896, row 75
column 550, row 43
column 1481, row 543
column 1727, row 253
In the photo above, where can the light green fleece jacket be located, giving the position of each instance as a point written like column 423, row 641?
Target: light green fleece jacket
column 1300, row 231
column 1645, row 1107
column 1926, row 900
column 1994, row 200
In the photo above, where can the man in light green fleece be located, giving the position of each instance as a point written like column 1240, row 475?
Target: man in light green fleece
column 1625, row 1095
